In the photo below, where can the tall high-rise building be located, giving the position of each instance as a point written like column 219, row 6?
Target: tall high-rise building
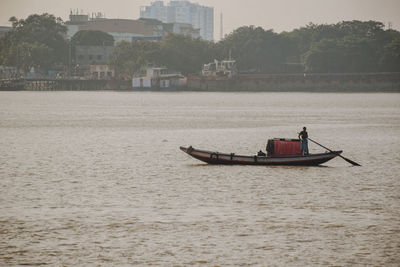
column 182, row 11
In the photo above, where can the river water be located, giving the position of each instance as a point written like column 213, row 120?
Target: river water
column 97, row 179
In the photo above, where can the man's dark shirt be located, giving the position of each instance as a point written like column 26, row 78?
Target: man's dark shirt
column 303, row 134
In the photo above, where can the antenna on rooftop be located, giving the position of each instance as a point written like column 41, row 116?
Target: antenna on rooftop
column 222, row 27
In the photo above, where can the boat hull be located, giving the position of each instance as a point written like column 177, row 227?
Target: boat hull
column 232, row 159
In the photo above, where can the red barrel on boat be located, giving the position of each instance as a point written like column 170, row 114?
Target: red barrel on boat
column 283, row 147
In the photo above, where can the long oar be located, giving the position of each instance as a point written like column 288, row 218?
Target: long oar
column 346, row 159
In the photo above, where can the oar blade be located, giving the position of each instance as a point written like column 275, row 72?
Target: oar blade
column 346, row 159
column 350, row 161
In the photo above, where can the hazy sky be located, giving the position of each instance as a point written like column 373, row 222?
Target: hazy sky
column 279, row 15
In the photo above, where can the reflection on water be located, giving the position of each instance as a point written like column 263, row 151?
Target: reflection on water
column 97, row 178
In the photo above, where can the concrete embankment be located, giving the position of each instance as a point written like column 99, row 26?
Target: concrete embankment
column 64, row 85
column 352, row 82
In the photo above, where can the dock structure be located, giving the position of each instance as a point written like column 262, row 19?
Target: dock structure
column 63, row 85
column 319, row 82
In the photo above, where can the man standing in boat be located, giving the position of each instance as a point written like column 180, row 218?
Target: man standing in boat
column 303, row 136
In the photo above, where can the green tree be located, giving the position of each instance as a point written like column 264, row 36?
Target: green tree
column 130, row 58
column 358, row 55
column 95, row 38
column 299, row 41
column 35, row 41
column 176, row 52
column 185, row 54
column 348, row 46
column 32, row 55
column 323, row 56
column 390, row 60
column 255, row 49
column 348, row 54
column 361, row 29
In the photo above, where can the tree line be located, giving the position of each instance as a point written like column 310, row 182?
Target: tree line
column 348, row 46
column 35, row 42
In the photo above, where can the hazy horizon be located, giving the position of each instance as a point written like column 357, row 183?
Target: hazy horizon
column 280, row 16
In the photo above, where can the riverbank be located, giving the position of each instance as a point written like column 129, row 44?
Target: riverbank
column 63, row 85
column 317, row 82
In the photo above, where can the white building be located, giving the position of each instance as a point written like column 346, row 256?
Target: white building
column 102, row 72
column 182, row 11
column 158, row 79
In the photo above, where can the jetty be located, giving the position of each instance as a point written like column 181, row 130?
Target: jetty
column 43, row 84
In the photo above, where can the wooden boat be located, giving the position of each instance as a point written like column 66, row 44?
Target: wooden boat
column 280, row 152
column 233, row 159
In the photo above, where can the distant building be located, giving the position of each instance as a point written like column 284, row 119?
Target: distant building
column 176, row 27
column 200, row 17
column 92, row 62
column 123, row 29
column 127, row 29
column 145, row 38
column 4, row 29
column 158, row 79
column 186, row 29
column 92, row 55
column 120, row 29
column 101, row 72
column 75, row 21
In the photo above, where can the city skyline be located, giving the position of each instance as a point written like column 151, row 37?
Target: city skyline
column 279, row 16
column 200, row 17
